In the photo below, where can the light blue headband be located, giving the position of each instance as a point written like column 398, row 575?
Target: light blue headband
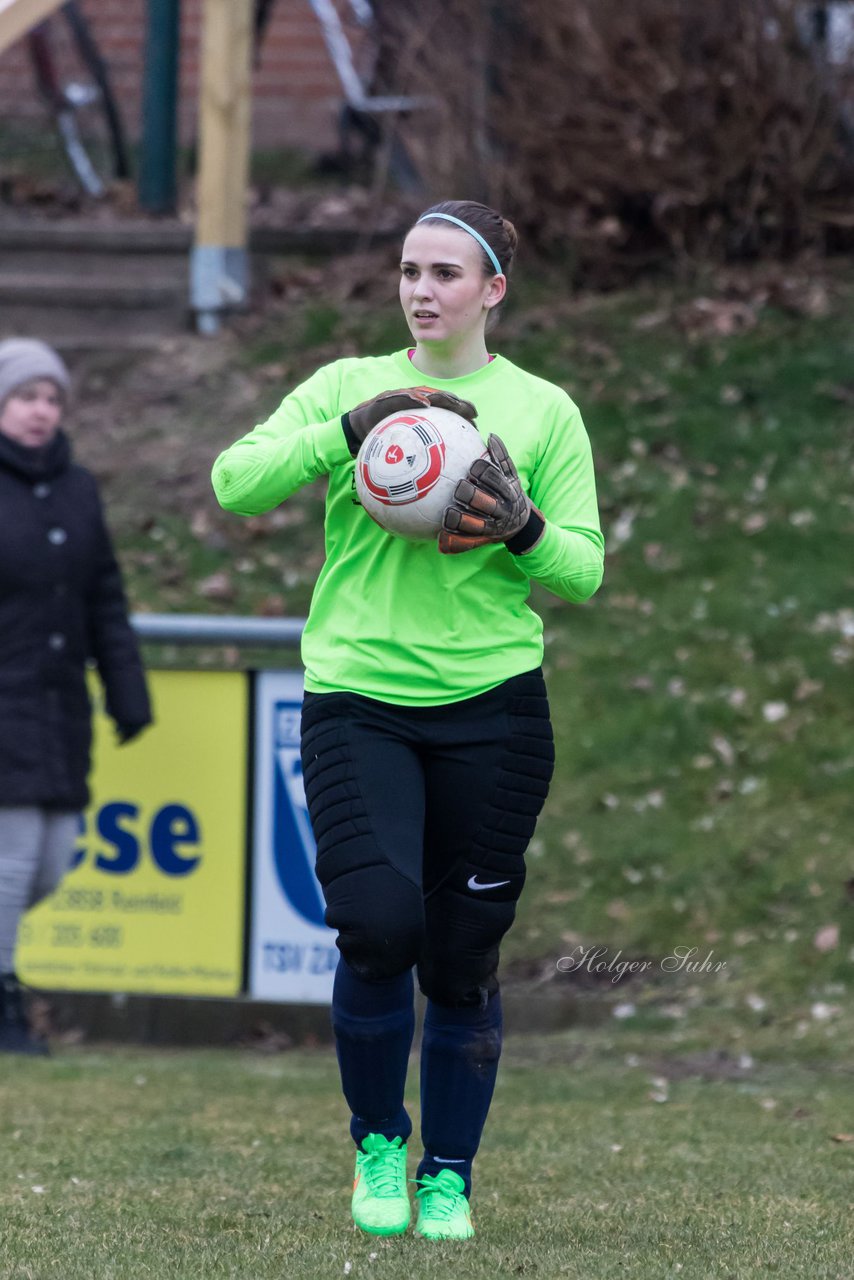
column 458, row 222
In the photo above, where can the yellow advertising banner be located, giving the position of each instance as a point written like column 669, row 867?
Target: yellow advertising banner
column 155, row 901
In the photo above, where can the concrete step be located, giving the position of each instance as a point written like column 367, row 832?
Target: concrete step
column 66, row 289
column 77, row 235
column 85, row 263
column 88, row 279
column 74, row 1016
column 81, row 299
column 172, row 236
column 82, row 329
column 85, row 284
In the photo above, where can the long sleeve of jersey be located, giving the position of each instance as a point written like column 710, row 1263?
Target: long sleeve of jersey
column 569, row 558
column 302, row 440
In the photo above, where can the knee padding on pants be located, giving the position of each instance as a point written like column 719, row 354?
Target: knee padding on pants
column 460, row 985
column 459, row 964
column 380, row 928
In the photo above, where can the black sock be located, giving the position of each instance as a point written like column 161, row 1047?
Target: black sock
column 374, row 1023
column 460, row 1049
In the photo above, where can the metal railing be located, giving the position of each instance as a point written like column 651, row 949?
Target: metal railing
column 202, row 628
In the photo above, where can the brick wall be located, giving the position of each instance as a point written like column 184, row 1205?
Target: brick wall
column 295, row 89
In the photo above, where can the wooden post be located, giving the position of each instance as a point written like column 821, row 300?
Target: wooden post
column 219, row 267
column 17, row 17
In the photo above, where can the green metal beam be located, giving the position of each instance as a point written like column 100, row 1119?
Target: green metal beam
column 157, row 183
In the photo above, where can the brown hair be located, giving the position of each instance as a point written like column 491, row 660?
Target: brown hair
column 498, row 233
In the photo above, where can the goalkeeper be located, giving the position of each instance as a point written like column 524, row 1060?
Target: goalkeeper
column 426, row 741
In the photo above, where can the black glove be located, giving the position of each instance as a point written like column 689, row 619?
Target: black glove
column 490, row 505
column 359, row 421
column 127, row 732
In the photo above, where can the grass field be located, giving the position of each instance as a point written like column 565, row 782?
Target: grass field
column 609, row 1153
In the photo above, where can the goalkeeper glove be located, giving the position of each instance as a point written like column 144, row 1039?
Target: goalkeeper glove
column 359, row 421
column 490, row 506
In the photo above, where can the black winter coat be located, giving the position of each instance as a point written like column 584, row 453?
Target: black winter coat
column 61, row 605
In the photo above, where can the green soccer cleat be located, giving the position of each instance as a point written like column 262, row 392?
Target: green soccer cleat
column 380, row 1203
column 443, row 1210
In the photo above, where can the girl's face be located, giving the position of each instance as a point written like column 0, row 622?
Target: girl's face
column 32, row 413
column 445, row 295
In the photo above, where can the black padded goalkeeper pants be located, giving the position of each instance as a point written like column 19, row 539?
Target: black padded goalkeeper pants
column 422, row 816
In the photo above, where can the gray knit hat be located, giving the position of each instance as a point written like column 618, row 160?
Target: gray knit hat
column 22, row 359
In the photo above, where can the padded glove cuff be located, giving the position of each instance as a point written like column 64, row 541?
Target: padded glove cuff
column 353, row 441
column 529, row 535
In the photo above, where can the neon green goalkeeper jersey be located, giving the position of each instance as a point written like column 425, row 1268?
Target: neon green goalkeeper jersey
column 396, row 620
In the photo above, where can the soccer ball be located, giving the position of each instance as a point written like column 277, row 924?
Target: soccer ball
column 409, row 465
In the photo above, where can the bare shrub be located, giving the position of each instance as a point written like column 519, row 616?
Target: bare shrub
column 620, row 131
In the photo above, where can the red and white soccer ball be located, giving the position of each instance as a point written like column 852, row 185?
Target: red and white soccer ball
column 409, row 465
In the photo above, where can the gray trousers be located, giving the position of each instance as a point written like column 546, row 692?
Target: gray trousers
column 36, row 847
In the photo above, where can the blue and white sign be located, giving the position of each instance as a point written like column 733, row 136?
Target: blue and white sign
column 292, row 954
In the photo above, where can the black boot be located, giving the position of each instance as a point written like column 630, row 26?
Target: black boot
column 15, row 1033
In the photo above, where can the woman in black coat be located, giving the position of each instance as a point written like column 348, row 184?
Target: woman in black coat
column 62, row 605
